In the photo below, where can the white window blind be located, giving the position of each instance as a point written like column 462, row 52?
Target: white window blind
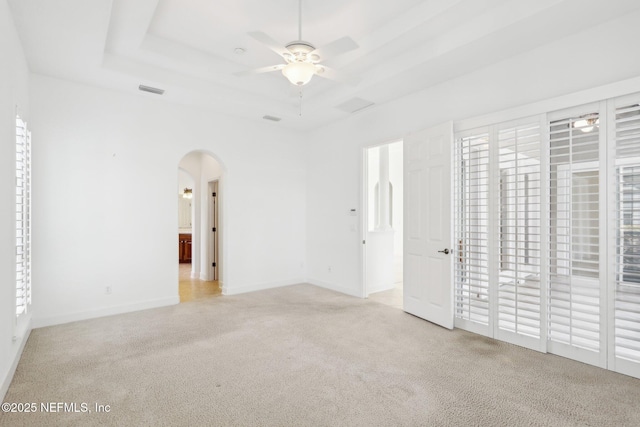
column 627, row 236
column 574, row 221
column 23, row 217
column 471, row 273
column 519, row 229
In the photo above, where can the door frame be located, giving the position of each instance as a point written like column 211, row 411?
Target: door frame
column 213, row 238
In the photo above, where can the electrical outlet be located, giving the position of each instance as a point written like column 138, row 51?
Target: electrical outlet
column 107, row 290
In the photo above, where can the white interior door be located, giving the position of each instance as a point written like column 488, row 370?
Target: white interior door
column 428, row 290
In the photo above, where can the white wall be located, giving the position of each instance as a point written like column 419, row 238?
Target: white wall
column 397, row 180
column 599, row 56
column 93, row 232
column 13, row 91
column 373, row 176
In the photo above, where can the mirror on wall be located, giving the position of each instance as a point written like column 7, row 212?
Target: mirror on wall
column 185, row 201
column 184, row 214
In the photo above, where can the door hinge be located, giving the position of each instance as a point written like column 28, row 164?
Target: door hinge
column 214, row 229
column 213, row 264
column 213, row 194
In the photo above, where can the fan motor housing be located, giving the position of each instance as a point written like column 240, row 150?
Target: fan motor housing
column 300, row 49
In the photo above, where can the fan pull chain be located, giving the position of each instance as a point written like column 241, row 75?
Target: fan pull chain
column 300, row 112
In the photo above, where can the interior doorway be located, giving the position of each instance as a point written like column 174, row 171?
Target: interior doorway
column 200, row 181
column 383, row 223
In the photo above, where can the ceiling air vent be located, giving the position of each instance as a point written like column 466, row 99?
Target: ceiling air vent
column 151, row 89
column 354, row 105
column 272, row 118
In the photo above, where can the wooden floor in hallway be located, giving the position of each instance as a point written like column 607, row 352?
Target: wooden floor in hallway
column 195, row 289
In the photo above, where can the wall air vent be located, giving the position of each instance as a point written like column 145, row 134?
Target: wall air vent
column 151, row 89
column 272, row 118
column 354, row 105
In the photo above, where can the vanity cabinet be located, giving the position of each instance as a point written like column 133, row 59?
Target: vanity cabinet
column 184, row 248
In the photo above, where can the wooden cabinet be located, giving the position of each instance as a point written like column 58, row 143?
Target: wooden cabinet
column 184, row 248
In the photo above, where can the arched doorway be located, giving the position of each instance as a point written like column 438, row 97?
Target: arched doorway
column 200, row 226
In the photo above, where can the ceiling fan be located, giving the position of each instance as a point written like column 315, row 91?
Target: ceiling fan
column 302, row 59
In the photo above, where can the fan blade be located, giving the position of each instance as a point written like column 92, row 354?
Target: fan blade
column 331, row 74
column 335, row 48
column 270, row 43
column 260, row 70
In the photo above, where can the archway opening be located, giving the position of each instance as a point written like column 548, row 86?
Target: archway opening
column 200, row 225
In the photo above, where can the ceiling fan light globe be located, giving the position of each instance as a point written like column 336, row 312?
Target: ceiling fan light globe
column 299, row 73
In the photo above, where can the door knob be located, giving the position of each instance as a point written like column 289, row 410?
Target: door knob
column 446, row 251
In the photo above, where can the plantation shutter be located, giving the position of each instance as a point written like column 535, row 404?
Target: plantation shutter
column 23, row 217
column 627, row 234
column 574, row 242
column 471, row 272
column 519, row 230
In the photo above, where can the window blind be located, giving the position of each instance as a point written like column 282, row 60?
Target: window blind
column 471, row 273
column 519, row 230
column 23, row 217
column 574, row 221
column 627, row 217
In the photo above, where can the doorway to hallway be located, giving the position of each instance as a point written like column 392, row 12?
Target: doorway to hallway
column 383, row 223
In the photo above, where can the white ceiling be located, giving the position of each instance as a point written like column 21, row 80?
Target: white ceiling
column 187, row 46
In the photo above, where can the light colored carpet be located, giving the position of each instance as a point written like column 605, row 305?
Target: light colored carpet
column 392, row 297
column 300, row 356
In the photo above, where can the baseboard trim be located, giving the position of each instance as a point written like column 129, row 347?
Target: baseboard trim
column 236, row 290
column 334, row 287
column 14, row 365
column 102, row 312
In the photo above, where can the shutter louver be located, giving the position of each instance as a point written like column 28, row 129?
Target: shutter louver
column 627, row 254
column 471, row 229
column 519, row 230
column 547, row 229
column 574, row 221
column 23, row 217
